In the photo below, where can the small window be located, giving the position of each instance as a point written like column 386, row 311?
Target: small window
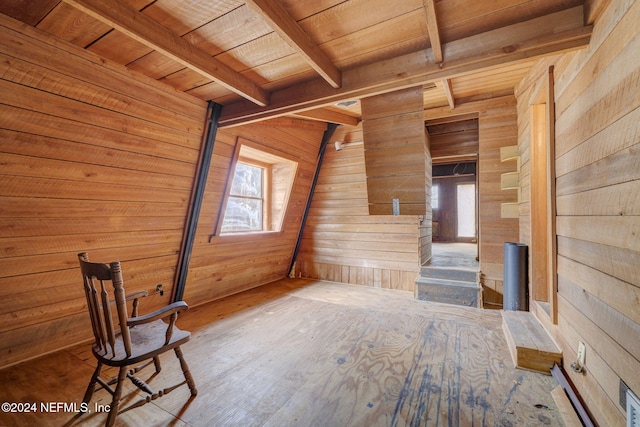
column 466, row 198
column 258, row 192
column 434, row 197
column 246, row 201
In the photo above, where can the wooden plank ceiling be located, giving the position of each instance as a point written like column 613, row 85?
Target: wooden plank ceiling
column 269, row 58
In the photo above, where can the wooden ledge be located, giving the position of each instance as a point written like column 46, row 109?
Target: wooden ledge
column 530, row 345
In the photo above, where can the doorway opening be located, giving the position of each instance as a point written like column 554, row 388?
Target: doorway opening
column 454, row 203
column 454, row 152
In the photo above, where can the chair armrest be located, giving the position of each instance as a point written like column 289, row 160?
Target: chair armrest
column 136, row 295
column 176, row 307
column 131, row 296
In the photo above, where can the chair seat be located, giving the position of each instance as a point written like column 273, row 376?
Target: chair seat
column 147, row 341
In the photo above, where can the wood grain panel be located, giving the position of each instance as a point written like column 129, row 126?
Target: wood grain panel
column 601, row 388
column 95, row 159
column 351, row 246
column 597, row 109
column 497, row 129
column 393, row 130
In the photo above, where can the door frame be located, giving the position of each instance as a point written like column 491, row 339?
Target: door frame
column 543, row 251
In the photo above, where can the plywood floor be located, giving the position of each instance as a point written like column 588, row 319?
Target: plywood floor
column 309, row 353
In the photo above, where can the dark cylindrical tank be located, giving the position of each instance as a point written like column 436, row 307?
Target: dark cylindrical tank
column 515, row 277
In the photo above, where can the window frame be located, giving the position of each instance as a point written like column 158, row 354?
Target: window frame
column 253, row 154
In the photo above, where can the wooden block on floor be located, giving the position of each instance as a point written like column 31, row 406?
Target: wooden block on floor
column 530, row 345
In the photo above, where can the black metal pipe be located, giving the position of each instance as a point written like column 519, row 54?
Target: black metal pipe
column 213, row 114
column 331, row 127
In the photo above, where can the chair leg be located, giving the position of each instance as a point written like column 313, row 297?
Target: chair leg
column 185, row 371
column 115, row 403
column 92, row 386
column 156, row 362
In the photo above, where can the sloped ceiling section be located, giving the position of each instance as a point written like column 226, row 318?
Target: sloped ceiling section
column 263, row 59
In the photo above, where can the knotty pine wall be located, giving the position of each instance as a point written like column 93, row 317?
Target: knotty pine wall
column 597, row 101
column 94, row 158
column 224, row 265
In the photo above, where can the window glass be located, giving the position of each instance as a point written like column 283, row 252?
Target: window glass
column 466, row 195
column 434, row 197
column 246, row 200
column 247, row 181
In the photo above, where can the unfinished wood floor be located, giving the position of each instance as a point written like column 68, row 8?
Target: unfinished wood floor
column 309, row 353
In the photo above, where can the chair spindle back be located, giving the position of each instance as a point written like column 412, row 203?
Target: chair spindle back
column 99, row 303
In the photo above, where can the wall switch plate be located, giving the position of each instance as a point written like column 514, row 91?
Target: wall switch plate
column 581, row 353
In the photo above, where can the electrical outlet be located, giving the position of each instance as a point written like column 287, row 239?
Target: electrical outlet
column 581, row 353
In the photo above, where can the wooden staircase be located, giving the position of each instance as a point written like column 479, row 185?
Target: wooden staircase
column 530, row 345
column 450, row 285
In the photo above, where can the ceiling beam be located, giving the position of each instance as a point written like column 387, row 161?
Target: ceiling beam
column 283, row 24
column 432, row 120
column 434, row 32
column 558, row 32
column 293, row 122
column 448, row 90
column 329, row 116
column 439, row 115
column 138, row 26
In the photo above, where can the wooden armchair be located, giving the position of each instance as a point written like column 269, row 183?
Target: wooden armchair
column 137, row 339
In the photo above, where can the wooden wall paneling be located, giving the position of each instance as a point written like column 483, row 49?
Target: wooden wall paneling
column 597, row 132
column 394, row 142
column 603, row 101
column 497, row 129
column 583, row 179
column 620, row 329
column 619, row 199
column 341, row 242
column 597, row 387
column 34, row 46
column 96, row 158
column 602, row 49
column 602, row 345
column 452, row 145
column 619, row 136
column 618, row 262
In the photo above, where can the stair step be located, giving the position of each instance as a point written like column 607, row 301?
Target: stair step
column 460, row 275
column 530, row 345
column 445, row 282
column 448, row 291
